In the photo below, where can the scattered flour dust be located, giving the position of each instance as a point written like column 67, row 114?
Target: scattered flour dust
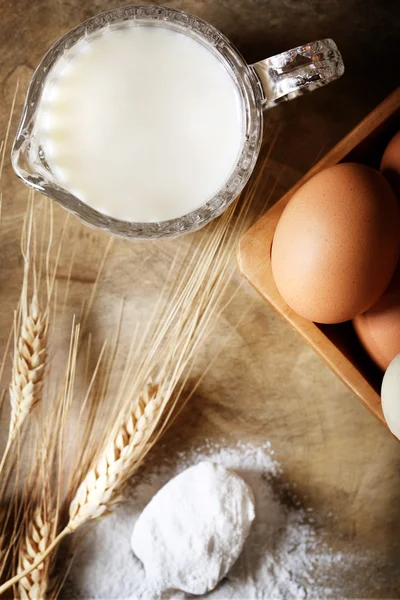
column 283, row 557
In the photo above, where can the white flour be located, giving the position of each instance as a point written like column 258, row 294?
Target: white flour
column 194, row 528
column 283, row 557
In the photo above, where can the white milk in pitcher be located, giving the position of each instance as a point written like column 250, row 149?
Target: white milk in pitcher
column 141, row 123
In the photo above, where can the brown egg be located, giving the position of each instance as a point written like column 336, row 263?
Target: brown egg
column 379, row 327
column 390, row 163
column 337, row 243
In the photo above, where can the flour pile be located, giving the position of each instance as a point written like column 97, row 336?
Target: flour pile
column 194, row 528
column 282, row 558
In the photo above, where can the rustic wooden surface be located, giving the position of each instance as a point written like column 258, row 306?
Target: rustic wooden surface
column 267, row 384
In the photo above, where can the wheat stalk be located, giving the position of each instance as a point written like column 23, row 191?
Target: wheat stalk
column 31, row 325
column 36, row 539
column 102, row 485
column 131, row 440
column 30, row 338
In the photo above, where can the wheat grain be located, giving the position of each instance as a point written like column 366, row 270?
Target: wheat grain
column 28, row 366
column 35, row 541
column 102, row 485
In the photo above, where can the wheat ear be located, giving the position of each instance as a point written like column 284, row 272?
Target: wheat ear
column 28, row 366
column 36, row 539
column 102, row 484
column 42, row 495
column 100, row 488
column 28, row 369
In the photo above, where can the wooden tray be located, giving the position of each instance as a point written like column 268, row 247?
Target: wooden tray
column 337, row 345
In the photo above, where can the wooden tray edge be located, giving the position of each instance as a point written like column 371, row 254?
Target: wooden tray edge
column 254, row 249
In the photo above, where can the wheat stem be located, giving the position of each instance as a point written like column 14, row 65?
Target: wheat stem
column 89, row 305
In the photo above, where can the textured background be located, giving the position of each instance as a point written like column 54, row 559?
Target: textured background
column 266, row 384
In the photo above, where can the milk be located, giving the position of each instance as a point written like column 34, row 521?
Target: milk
column 142, row 123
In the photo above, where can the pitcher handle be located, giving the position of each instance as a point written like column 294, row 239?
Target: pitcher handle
column 298, row 71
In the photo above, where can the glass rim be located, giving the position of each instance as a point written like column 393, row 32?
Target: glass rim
column 239, row 70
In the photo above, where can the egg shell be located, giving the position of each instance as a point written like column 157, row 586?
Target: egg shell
column 337, row 243
column 390, row 163
column 391, row 396
column 379, row 327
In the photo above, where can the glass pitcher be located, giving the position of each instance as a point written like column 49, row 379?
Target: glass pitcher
column 261, row 86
